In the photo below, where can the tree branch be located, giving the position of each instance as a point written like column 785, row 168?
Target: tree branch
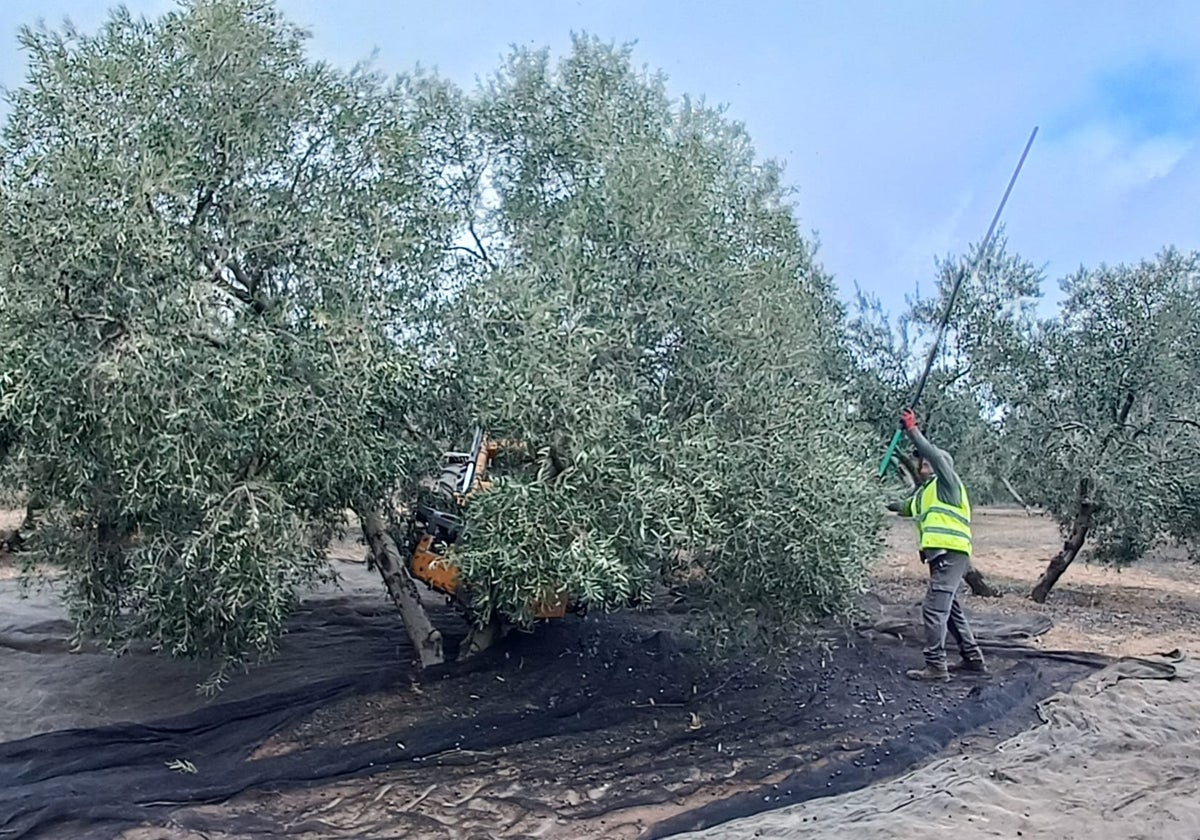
column 1012, row 491
column 246, row 294
column 312, row 147
column 470, row 251
column 479, row 244
column 1122, row 416
column 202, row 204
column 110, row 328
column 217, row 276
column 211, row 340
column 248, row 283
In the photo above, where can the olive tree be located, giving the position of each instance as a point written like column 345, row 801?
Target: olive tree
column 1098, row 403
column 215, row 256
column 652, row 327
column 1114, row 410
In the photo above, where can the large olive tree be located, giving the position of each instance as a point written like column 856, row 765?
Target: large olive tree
column 655, row 330
column 244, row 291
column 215, row 254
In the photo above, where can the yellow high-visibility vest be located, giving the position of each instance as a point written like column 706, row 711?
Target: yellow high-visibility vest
column 941, row 525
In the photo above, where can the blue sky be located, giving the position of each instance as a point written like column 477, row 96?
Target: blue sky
column 899, row 122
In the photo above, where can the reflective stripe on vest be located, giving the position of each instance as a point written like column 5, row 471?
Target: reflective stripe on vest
column 941, row 525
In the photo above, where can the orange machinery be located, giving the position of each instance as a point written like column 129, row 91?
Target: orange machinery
column 463, row 475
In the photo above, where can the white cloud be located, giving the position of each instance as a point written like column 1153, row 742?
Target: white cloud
column 1121, row 162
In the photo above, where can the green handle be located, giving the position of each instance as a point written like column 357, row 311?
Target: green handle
column 887, row 457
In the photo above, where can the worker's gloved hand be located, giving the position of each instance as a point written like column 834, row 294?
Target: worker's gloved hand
column 908, row 420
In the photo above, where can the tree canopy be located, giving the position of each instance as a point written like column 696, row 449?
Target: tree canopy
column 660, row 335
column 245, row 291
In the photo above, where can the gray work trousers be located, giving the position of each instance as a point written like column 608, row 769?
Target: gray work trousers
column 942, row 611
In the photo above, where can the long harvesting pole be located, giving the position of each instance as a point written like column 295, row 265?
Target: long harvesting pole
column 883, row 465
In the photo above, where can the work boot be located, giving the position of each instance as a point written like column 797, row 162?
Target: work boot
column 971, row 666
column 930, row 673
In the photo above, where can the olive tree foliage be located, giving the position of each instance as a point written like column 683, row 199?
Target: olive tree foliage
column 654, row 330
column 1101, row 406
column 1119, row 417
column 215, row 254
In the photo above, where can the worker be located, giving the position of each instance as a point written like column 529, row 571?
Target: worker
column 942, row 511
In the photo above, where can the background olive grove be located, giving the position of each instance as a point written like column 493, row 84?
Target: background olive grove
column 1088, row 413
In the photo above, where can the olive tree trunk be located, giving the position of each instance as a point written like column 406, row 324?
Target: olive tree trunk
column 978, row 583
column 426, row 638
column 12, row 541
column 1084, row 508
column 1070, row 550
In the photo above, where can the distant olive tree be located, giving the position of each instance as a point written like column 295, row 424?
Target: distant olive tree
column 1099, row 403
column 889, row 353
column 1114, row 411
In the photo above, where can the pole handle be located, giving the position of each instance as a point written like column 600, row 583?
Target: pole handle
column 887, row 457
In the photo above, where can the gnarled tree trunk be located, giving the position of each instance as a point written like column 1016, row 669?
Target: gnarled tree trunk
column 978, row 584
column 1070, row 549
column 1083, row 513
column 480, row 639
column 426, row 638
column 12, row 541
